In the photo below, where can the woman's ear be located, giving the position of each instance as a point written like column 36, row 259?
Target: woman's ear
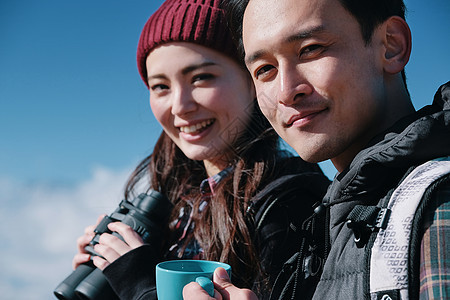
column 397, row 44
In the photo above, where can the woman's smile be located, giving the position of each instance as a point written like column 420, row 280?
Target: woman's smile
column 196, row 128
column 197, row 131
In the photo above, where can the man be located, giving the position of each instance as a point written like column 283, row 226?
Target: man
column 329, row 75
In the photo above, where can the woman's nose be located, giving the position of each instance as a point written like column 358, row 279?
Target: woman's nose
column 183, row 102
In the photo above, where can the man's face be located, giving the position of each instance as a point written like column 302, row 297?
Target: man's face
column 318, row 83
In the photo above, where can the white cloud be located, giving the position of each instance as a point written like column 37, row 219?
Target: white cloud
column 39, row 227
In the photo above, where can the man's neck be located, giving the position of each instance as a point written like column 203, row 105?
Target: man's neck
column 399, row 106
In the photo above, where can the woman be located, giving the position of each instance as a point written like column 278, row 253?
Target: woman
column 215, row 154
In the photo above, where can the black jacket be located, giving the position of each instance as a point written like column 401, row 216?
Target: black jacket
column 277, row 212
column 374, row 172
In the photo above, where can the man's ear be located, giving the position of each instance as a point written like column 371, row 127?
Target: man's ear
column 397, row 44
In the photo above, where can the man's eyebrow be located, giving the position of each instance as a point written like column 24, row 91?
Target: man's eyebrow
column 186, row 70
column 304, row 34
column 300, row 35
column 254, row 57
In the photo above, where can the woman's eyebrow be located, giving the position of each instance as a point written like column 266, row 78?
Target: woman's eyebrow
column 156, row 76
column 186, row 70
column 194, row 67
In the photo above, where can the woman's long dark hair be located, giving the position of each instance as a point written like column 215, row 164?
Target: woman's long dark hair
column 222, row 228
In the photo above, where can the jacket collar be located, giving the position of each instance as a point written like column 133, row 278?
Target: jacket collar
column 413, row 140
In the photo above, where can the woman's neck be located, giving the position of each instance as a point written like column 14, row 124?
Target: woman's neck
column 215, row 166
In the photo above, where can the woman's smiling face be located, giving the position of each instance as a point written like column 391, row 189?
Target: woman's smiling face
column 202, row 98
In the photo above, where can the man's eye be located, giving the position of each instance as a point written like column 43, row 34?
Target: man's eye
column 311, row 49
column 263, row 71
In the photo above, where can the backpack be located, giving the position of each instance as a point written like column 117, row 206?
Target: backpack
column 393, row 243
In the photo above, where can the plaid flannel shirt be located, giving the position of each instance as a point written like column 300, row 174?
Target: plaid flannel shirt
column 435, row 250
column 184, row 225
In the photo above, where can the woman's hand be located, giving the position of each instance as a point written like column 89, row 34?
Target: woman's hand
column 82, row 256
column 111, row 247
column 223, row 289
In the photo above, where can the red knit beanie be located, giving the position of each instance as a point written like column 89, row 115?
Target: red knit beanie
column 197, row 21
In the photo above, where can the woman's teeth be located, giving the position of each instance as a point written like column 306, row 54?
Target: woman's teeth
column 196, row 127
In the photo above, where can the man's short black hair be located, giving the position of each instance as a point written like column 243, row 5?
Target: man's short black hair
column 371, row 13
column 368, row 13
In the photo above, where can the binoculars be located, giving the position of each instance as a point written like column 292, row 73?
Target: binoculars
column 147, row 214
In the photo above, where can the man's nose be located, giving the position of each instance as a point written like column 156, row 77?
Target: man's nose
column 183, row 102
column 293, row 85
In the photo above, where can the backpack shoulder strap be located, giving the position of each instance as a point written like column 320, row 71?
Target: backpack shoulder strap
column 390, row 250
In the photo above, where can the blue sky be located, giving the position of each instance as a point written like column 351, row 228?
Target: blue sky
column 75, row 120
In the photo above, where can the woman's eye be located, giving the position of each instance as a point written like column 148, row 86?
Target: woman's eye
column 159, row 87
column 203, row 76
column 263, row 71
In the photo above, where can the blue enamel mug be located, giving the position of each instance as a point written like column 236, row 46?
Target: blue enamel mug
column 173, row 275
